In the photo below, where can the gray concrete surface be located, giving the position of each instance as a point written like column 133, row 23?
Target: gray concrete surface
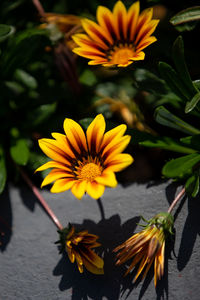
column 32, row 268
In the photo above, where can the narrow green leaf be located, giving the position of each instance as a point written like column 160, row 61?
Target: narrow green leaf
column 182, row 70
column 25, row 78
column 190, row 105
column 3, row 172
column 182, row 166
column 165, row 117
column 19, row 151
column 192, row 185
column 192, row 141
column 148, row 140
column 173, row 81
column 5, row 31
column 187, row 15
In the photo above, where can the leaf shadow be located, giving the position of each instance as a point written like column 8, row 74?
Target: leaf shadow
column 5, row 220
column 190, row 231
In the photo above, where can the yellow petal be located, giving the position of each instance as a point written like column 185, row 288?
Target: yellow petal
column 106, row 21
column 62, row 185
column 62, row 140
column 115, row 147
column 92, row 268
column 95, row 33
column 91, row 256
column 146, row 42
column 116, row 132
column 95, row 190
column 52, row 151
column 107, row 178
column 52, row 164
column 120, row 162
column 55, row 174
column 146, row 30
column 133, row 14
column 95, row 133
column 120, row 17
column 75, row 135
column 78, row 190
column 91, row 53
column 138, row 56
column 86, row 43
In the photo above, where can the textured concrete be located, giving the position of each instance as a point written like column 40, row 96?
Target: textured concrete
column 32, row 268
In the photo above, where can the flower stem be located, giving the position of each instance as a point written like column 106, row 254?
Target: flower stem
column 39, row 7
column 174, row 202
column 41, row 199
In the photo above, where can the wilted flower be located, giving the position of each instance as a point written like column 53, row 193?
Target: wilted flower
column 147, row 246
column 61, row 26
column 85, row 163
column 78, row 246
column 119, row 36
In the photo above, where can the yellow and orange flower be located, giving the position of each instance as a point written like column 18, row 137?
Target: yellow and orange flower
column 147, row 246
column 119, row 36
column 78, row 246
column 85, row 163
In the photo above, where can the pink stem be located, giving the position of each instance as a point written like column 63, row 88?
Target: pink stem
column 39, row 7
column 41, row 199
column 178, row 197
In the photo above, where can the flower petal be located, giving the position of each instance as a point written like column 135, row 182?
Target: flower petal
column 52, row 151
column 95, row 134
column 78, row 189
column 95, row 33
column 116, row 132
column 95, row 190
column 62, row 185
column 133, row 14
column 115, row 147
column 75, row 135
column 54, row 175
column 107, row 178
column 106, row 21
column 120, row 17
column 52, row 164
column 119, row 162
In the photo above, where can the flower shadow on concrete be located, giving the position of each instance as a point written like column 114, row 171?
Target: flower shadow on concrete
column 98, row 286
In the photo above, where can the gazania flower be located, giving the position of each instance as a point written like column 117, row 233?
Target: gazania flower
column 147, row 246
column 119, row 36
column 78, row 246
column 85, row 163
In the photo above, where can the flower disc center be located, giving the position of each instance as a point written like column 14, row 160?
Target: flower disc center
column 90, row 171
column 121, row 56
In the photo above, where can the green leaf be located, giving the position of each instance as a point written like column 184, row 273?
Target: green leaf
column 190, row 105
column 88, row 78
column 192, row 141
column 182, row 166
column 192, row 185
column 3, row 172
column 179, row 61
column 20, row 52
column 85, row 122
column 167, row 143
column 19, row 151
column 41, row 113
column 5, row 31
column 187, row 15
column 174, row 82
column 165, row 117
column 25, row 78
